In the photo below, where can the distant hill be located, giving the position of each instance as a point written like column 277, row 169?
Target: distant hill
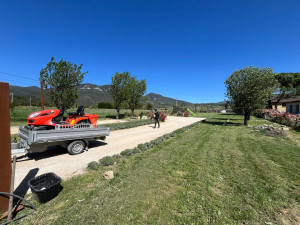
column 160, row 101
column 90, row 94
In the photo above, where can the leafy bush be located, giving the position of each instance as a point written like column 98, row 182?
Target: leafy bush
column 179, row 114
column 93, row 165
column 186, row 114
column 142, row 147
column 136, row 150
column 126, row 114
column 163, row 117
column 141, row 114
column 117, row 156
column 107, row 161
column 149, row 145
column 127, row 152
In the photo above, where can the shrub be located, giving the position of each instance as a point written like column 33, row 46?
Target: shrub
column 117, row 156
column 126, row 114
column 93, row 165
column 179, row 114
column 107, row 161
column 166, row 136
column 142, row 147
column 141, row 114
column 163, row 117
column 149, row 145
column 186, row 114
column 153, row 143
column 136, row 150
column 127, row 152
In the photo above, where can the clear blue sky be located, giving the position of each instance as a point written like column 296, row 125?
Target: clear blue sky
column 184, row 49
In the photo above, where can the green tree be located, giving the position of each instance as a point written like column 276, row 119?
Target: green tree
column 289, row 85
column 119, row 90
column 61, row 80
column 249, row 89
column 149, row 106
column 136, row 91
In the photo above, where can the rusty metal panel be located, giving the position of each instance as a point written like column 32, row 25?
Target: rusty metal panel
column 5, row 149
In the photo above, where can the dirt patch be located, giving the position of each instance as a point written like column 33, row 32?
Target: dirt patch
column 290, row 216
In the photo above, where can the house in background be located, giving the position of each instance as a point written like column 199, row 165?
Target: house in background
column 281, row 105
column 293, row 105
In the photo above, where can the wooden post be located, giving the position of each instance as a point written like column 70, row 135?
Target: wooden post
column 5, row 148
column 42, row 95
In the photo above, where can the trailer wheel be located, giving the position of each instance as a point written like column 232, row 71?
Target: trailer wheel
column 76, row 147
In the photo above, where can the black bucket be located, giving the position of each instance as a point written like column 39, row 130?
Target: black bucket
column 45, row 187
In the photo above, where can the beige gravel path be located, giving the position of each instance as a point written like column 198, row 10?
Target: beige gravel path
column 57, row 160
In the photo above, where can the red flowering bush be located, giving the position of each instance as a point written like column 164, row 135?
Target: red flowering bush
column 163, row 117
column 278, row 117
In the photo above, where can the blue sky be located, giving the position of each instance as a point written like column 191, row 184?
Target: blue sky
column 184, row 49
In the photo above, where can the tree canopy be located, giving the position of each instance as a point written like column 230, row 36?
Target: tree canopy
column 126, row 90
column 249, row 89
column 289, row 85
column 136, row 91
column 60, row 82
column 119, row 90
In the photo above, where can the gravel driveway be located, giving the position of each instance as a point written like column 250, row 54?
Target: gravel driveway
column 57, row 160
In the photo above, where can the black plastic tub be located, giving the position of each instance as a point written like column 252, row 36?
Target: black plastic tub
column 45, row 187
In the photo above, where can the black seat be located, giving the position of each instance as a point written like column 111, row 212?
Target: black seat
column 59, row 117
column 80, row 111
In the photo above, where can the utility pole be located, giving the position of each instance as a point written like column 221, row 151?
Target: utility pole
column 30, row 101
column 42, row 95
column 5, row 153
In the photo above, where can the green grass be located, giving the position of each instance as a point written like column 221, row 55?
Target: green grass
column 210, row 174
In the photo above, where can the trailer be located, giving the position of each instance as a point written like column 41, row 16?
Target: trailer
column 75, row 138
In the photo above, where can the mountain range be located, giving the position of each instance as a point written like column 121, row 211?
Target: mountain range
column 91, row 94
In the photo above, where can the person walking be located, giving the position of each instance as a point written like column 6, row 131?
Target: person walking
column 156, row 118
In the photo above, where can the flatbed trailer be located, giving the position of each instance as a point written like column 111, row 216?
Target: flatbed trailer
column 75, row 138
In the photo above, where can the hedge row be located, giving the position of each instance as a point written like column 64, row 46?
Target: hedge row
column 110, row 160
column 126, row 125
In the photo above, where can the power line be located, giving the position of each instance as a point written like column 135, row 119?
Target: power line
column 18, row 76
column 13, row 81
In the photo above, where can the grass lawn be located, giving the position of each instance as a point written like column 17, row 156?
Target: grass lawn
column 210, row 174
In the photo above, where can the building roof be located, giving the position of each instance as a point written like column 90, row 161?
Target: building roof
column 294, row 99
column 285, row 100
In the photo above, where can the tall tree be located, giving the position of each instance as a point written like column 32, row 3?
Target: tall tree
column 249, row 89
column 136, row 91
column 289, row 85
column 119, row 90
column 61, row 80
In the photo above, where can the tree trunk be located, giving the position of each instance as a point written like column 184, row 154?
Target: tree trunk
column 118, row 113
column 245, row 119
column 132, row 112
